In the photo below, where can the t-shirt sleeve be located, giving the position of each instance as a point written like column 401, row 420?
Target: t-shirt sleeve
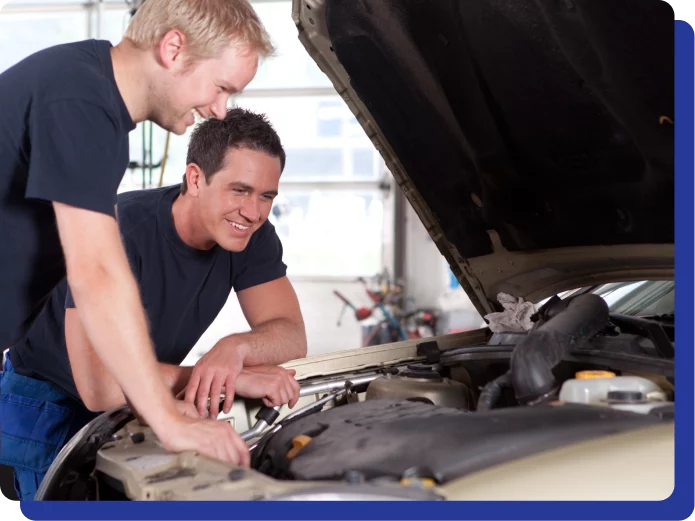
column 73, row 158
column 263, row 260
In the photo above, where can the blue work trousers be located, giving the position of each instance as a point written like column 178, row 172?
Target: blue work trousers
column 36, row 421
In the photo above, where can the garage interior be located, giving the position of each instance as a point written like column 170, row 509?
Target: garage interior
column 350, row 236
column 340, row 215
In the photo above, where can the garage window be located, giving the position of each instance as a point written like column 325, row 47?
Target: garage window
column 332, row 204
column 26, row 29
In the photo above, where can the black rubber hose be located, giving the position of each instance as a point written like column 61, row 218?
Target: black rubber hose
column 268, row 414
column 491, row 393
column 535, row 357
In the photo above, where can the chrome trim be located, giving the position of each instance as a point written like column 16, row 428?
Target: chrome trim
column 318, row 404
column 307, row 390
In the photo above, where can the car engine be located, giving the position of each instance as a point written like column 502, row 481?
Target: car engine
column 411, row 429
column 418, row 422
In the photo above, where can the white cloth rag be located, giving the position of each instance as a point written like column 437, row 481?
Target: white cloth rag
column 516, row 317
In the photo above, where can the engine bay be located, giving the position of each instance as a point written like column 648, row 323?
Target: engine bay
column 412, row 429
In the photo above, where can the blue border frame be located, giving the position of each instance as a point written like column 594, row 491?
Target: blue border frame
column 678, row 506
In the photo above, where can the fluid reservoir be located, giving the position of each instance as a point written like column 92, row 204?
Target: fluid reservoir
column 421, row 383
column 632, row 393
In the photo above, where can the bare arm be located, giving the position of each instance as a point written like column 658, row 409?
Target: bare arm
column 110, row 310
column 277, row 336
column 277, row 328
column 98, row 389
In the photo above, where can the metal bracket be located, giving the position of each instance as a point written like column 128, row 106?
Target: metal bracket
column 430, row 350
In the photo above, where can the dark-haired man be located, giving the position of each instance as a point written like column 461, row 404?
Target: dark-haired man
column 188, row 246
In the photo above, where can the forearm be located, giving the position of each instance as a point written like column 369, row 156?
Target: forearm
column 272, row 343
column 100, row 391
column 112, row 315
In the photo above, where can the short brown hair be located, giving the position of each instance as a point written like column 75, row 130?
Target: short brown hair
column 209, row 25
column 241, row 128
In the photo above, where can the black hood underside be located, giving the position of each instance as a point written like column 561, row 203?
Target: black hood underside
column 548, row 121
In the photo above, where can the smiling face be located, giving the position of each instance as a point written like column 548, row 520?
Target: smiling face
column 203, row 86
column 238, row 198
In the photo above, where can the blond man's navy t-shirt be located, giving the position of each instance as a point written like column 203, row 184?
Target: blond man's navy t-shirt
column 63, row 137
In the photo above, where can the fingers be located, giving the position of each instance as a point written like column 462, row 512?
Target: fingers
column 229, row 385
column 203, row 393
column 294, row 384
column 290, row 393
column 215, row 392
column 214, row 439
column 245, row 454
column 285, row 390
column 192, row 387
column 275, row 391
column 234, row 450
column 282, row 389
column 242, row 449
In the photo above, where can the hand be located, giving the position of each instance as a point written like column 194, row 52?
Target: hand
column 276, row 385
column 187, row 409
column 211, row 438
column 218, row 368
column 184, row 409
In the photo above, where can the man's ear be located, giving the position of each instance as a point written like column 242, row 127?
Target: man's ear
column 170, row 50
column 194, row 179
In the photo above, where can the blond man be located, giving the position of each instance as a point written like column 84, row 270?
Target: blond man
column 67, row 112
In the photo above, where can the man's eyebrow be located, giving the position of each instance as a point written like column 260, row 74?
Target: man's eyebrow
column 229, row 88
column 243, row 186
column 240, row 185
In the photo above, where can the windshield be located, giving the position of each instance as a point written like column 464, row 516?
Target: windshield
column 642, row 298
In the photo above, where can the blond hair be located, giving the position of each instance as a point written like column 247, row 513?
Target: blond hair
column 210, row 26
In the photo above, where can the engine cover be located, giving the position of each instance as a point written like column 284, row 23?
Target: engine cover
column 399, row 438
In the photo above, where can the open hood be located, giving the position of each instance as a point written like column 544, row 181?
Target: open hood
column 534, row 138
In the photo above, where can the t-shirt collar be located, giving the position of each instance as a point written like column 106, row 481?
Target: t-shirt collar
column 165, row 218
column 103, row 50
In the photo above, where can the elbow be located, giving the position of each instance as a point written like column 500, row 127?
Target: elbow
column 94, row 407
column 301, row 350
column 101, row 401
column 93, row 402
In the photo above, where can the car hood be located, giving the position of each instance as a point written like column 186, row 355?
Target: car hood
column 534, row 138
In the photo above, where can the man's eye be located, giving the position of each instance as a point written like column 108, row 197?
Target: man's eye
column 267, row 197
column 238, row 190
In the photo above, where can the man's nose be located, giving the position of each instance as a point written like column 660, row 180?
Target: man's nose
column 219, row 108
column 250, row 209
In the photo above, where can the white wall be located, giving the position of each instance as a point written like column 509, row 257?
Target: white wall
column 428, row 276
column 320, row 309
column 425, row 267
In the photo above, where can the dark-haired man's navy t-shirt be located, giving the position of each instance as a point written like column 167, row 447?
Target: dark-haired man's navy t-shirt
column 63, row 137
column 183, row 289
